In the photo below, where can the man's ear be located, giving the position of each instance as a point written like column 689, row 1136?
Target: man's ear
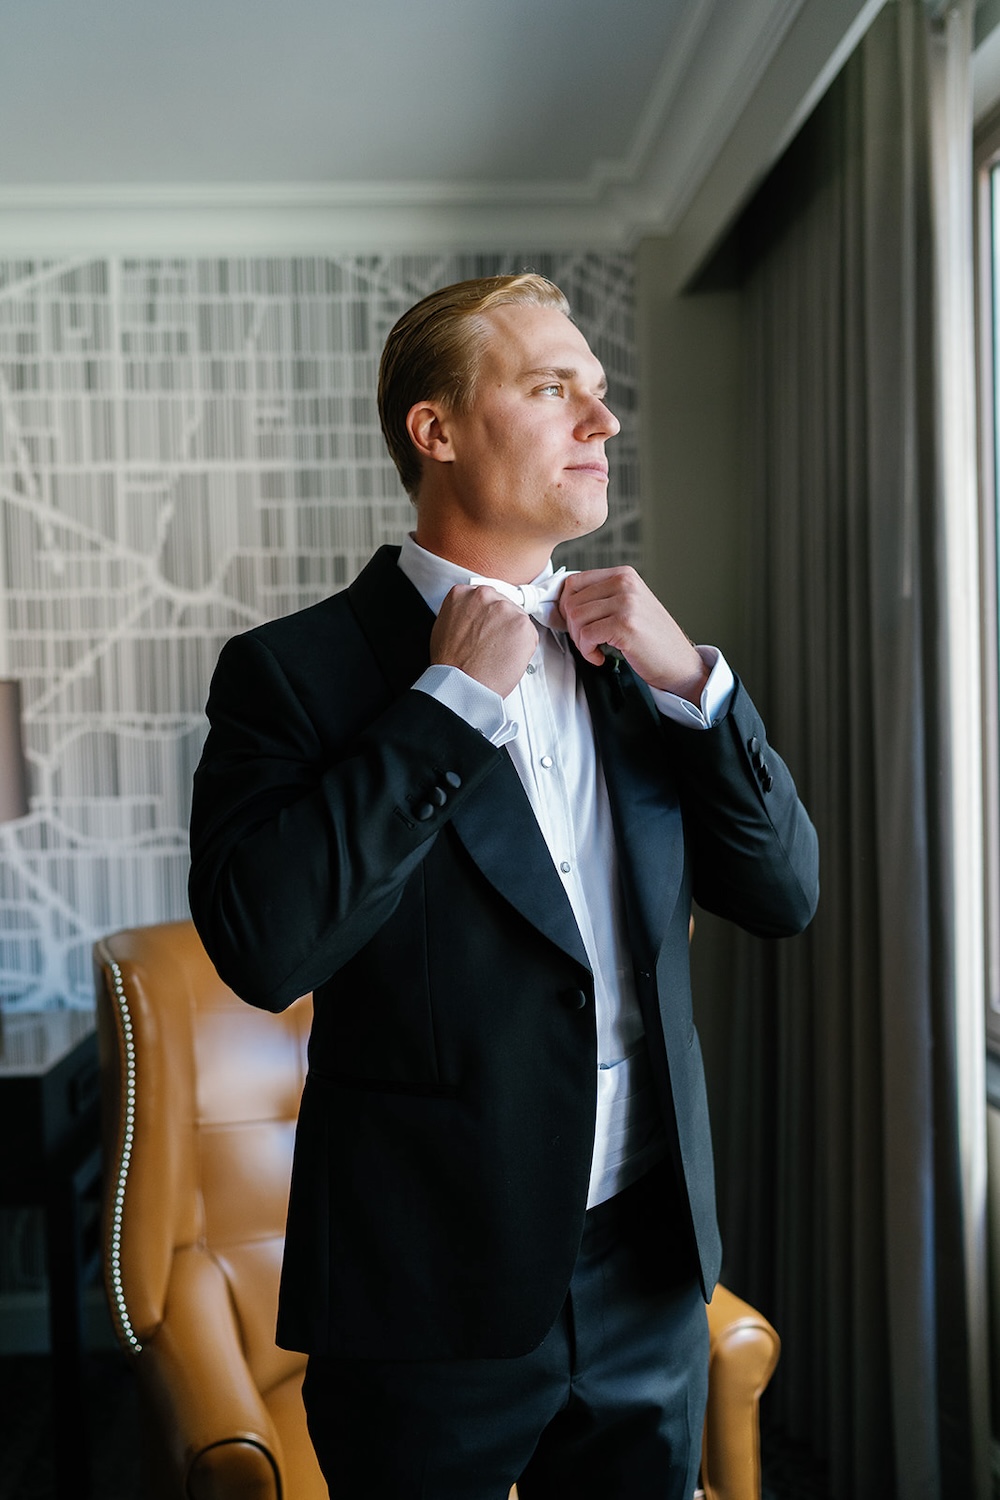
column 429, row 432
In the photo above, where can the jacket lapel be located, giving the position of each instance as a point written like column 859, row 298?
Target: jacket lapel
column 501, row 834
column 644, row 805
column 496, row 824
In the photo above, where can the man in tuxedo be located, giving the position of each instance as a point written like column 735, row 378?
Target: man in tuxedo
column 468, row 803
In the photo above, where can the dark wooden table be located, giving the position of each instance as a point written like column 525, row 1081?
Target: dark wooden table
column 51, row 1158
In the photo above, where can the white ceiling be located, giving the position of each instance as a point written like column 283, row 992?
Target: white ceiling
column 314, row 91
column 461, row 120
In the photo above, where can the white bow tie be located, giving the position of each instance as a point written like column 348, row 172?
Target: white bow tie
column 536, row 599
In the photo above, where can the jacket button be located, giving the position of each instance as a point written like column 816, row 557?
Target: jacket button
column 424, row 812
column 753, row 745
column 573, row 999
column 438, row 796
column 453, row 779
column 767, row 782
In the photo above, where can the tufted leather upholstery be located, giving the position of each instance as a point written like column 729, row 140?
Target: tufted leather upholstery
column 200, row 1096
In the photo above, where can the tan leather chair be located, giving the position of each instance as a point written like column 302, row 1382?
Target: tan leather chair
column 200, row 1098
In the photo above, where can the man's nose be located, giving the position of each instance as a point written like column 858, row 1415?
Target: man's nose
column 600, row 421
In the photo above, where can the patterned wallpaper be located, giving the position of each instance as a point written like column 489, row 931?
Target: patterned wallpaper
column 188, row 447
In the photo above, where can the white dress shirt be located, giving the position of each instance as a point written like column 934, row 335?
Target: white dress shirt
column 545, row 725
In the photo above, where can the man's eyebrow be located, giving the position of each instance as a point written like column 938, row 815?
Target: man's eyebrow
column 563, row 372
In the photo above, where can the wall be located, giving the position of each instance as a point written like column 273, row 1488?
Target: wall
column 691, row 378
column 188, row 447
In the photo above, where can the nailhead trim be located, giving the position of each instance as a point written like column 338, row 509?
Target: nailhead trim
column 128, row 1133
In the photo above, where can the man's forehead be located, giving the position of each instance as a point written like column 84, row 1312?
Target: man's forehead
column 530, row 340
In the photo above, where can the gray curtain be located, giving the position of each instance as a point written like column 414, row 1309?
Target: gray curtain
column 852, row 1199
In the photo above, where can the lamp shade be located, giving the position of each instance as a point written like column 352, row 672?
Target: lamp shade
column 13, row 766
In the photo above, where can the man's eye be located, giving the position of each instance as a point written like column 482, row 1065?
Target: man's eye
column 554, row 390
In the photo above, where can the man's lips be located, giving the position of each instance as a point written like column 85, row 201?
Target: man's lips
column 598, row 469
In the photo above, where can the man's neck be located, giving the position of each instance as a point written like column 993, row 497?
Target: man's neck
column 490, row 557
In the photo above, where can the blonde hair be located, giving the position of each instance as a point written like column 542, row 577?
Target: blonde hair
column 435, row 349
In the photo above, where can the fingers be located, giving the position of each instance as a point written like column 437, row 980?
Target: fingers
column 614, row 607
column 492, row 639
column 487, row 636
column 605, row 606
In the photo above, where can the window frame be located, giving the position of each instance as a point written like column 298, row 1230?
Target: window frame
column 986, row 165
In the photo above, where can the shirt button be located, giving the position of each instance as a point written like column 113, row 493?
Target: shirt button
column 546, row 762
column 565, row 866
column 530, row 668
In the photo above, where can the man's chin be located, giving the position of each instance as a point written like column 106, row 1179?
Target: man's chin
column 590, row 521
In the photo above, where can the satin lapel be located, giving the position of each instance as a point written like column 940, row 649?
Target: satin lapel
column 644, row 806
column 496, row 824
column 501, row 834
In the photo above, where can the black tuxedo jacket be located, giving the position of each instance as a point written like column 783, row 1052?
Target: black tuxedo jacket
column 356, row 838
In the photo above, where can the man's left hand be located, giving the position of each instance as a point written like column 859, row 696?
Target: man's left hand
column 613, row 607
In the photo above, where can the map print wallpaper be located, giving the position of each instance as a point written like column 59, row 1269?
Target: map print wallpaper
column 189, row 447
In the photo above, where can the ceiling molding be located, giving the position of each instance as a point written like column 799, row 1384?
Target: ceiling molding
column 652, row 123
column 672, row 179
column 267, row 225
column 814, row 49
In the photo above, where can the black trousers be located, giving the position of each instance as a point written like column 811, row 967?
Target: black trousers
column 610, row 1406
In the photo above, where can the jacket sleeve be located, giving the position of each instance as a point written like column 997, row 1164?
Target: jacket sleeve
column 300, row 847
column 752, row 846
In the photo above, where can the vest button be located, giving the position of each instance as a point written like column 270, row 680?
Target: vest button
column 573, row 999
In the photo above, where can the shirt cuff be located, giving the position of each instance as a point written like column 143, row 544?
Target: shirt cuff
column 473, row 701
column 715, row 698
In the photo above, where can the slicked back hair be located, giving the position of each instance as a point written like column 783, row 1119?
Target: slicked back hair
column 435, row 349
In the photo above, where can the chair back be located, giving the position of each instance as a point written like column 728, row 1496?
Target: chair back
column 201, row 1094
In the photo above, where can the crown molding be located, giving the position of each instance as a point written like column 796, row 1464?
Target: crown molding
column 671, row 178
column 266, row 219
column 721, row 53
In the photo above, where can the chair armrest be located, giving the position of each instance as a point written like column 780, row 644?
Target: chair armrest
column 743, row 1351
column 194, row 1374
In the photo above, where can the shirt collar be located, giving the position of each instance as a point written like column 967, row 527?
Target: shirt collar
column 434, row 577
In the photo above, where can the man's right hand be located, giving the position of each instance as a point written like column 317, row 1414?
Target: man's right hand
column 487, row 636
